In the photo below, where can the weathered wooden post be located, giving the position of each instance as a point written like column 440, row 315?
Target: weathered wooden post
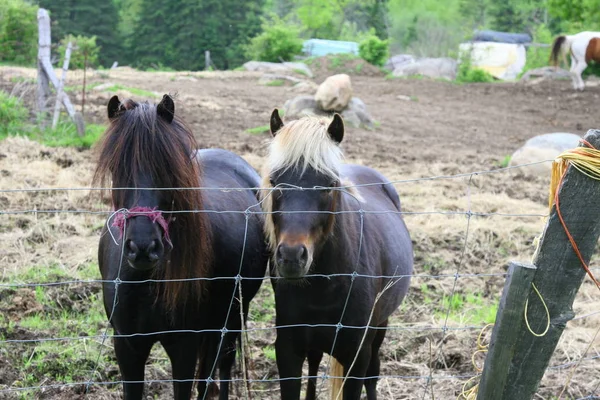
column 61, row 82
column 207, row 60
column 44, row 41
column 517, row 358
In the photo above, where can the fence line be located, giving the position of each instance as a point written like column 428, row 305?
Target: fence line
column 265, row 380
column 287, row 186
column 443, row 328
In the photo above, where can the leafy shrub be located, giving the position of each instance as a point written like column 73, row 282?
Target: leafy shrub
column 18, row 32
column 278, row 41
column 12, row 115
column 84, row 53
column 374, row 50
column 469, row 74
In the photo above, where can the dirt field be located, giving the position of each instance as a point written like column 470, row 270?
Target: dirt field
column 445, row 129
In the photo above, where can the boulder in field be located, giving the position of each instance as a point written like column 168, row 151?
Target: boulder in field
column 540, row 148
column 334, row 93
column 278, row 68
column 355, row 114
column 445, row 68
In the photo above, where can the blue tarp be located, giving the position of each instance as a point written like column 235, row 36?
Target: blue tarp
column 320, row 47
column 501, row 37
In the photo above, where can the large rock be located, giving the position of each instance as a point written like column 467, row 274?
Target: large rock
column 445, row 68
column 546, row 73
column 355, row 114
column 399, row 60
column 540, row 148
column 334, row 93
column 301, row 106
column 278, row 68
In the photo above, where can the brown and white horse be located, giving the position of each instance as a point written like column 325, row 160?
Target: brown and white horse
column 583, row 47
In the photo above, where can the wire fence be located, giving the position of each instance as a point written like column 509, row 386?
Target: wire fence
column 427, row 388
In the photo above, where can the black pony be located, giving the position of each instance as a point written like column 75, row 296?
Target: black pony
column 160, row 240
column 319, row 231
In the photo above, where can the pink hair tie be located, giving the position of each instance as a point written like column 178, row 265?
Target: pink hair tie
column 152, row 213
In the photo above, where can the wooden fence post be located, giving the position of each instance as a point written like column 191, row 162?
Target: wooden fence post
column 43, row 81
column 516, row 375
column 59, row 90
column 207, row 60
column 509, row 322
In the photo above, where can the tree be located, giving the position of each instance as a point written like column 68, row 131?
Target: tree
column 179, row 39
column 87, row 18
column 18, row 32
column 506, row 17
column 474, row 11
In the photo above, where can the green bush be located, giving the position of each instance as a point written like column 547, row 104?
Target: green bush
column 469, row 74
column 374, row 50
column 84, row 51
column 12, row 115
column 278, row 41
column 18, row 32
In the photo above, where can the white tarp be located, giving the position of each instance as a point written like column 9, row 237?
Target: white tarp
column 502, row 60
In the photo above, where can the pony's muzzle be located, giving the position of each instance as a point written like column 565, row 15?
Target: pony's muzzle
column 292, row 260
column 143, row 255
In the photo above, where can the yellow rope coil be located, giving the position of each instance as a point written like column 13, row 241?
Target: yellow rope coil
column 585, row 159
column 471, row 393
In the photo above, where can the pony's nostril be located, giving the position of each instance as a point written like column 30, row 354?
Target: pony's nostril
column 132, row 248
column 152, row 247
column 302, row 252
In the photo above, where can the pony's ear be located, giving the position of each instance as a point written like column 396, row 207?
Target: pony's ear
column 276, row 122
column 113, row 107
column 166, row 108
column 336, row 128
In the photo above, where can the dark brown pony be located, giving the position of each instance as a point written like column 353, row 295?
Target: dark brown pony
column 162, row 247
column 320, row 231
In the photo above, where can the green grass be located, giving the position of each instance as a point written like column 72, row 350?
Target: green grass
column 300, row 71
column 14, row 121
column 65, row 135
column 133, row 91
column 258, row 130
column 13, row 115
column 276, row 82
column 269, row 352
column 505, row 161
column 468, row 309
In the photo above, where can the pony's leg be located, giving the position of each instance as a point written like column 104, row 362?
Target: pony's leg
column 183, row 353
column 373, row 369
column 131, row 356
column 353, row 387
column 581, row 66
column 226, row 362
column 209, row 344
column 577, row 68
column 314, row 359
column 289, row 363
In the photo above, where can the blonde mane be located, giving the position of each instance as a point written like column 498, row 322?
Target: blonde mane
column 305, row 143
